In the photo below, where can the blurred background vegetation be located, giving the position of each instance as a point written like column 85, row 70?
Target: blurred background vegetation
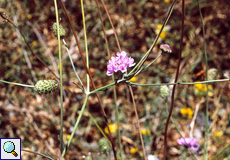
column 35, row 118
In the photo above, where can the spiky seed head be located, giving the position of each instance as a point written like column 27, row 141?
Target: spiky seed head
column 104, row 146
column 45, row 86
column 164, row 91
column 61, row 30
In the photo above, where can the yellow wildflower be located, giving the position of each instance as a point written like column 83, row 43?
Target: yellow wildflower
column 145, row 132
column 218, row 133
column 133, row 79
column 186, row 112
column 66, row 136
column 167, row 1
column 133, row 150
column 34, row 43
column 201, row 89
column 112, row 128
column 29, row 16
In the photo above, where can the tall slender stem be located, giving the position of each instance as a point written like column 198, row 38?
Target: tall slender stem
column 75, row 126
column 86, row 44
column 91, row 79
column 174, row 87
column 60, row 69
column 138, row 123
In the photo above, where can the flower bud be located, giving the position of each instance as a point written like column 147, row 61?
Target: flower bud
column 165, row 48
column 104, row 146
column 164, row 91
column 45, row 86
column 61, row 30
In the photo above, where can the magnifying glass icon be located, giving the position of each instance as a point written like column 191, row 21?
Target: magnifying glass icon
column 9, row 147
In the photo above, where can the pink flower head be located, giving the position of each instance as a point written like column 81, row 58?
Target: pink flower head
column 119, row 63
column 191, row 143
column 166, row 48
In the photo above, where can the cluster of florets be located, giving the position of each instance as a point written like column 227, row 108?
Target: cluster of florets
column 119, row 63
column 191, row 143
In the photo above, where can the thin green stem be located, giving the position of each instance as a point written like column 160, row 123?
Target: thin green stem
column 91, row 79
column 143, row 68
column 19, row 84
column 143, row 59
column 75, row 126
column 99, row 128
column 215, row 157
column 157, row 84
column 37, row 153
column 177, row 83
column 117, row 118
column 73, row 65
column 60, row 69
column 86, row 45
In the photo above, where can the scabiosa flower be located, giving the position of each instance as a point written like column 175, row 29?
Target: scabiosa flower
column 119, row 63
column 191, row 143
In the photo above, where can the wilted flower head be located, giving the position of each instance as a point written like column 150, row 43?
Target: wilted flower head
column 212, row 73
column 119, row 63
column 191, row 143
column 166, row 48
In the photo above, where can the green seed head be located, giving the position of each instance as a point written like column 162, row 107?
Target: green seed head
column 164, row 91
column 45, row 86
column 104, row 146
column 61, row 30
